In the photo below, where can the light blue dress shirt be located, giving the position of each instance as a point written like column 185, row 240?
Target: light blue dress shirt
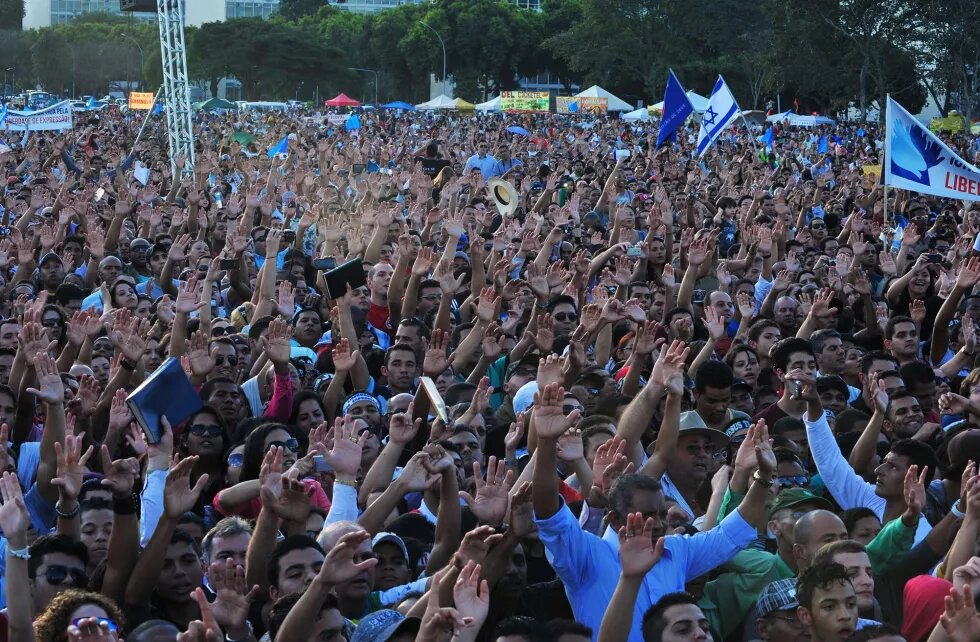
column 589, row 566
column 486, row 165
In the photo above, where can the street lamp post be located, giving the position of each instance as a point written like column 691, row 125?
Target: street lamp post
column 441, row 42
column 140, row 47
column 370, row 71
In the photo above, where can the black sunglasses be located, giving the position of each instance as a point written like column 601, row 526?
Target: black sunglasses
column 221, row 331
column 291, row 444
column 220, row 360
column 57, row 574
column 199, row 430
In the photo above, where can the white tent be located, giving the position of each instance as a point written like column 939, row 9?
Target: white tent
column 778, row 118
column 491, row 105
column 640, row 114
column 441, row 101
column 810, row 121
column 613, row 103
column 698, row 102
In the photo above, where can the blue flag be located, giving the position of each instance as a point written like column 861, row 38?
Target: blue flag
column 677, row 107
column 157, row 109
column 861, row 132
column 279, row 148
column 573, row 107
column 3, row 113
column 91, row 102
column 767, row 138
column 822, row 148
column 353, row 122
column 722, row 110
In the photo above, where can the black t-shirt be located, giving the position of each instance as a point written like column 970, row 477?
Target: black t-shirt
column 431, row 166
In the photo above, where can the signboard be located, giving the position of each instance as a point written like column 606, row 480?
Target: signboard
column 140, row 100
column 53, row 118
column 577, row 105
column 524, row 101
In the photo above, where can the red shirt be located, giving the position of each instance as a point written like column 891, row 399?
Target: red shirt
column 378, row 316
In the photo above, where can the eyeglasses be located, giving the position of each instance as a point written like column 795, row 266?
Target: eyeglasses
column 221, row 331
column 235, row 460
column 57, row 574
column 814, row 226
column 220, row 360
column 566, row 316
column 567, row 410
column 102, row 620
column 290, row 444
column 50, row 323
column 792, row 481
column 199, row 430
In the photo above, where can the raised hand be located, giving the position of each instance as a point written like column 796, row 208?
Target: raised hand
column 51, row 389
column 915, row 490
column 570, row 446
column 286, row 497
column 14, row 519
column 119, row 476
column 401, row 429
column 549, row 421
column 179, row 495
column 187, row 297
column 90, row 629
column 233, row 597
column 436, row 360
column 490, row 503
column 765, row 458
column 277, row 342
column 339, row 565
column 668, row 371
column 345, row 456
column 199, row 355
column 960, row 620
column 638, row 553
column 471, row 595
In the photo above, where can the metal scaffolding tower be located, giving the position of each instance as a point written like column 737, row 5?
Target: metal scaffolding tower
column 176, row 89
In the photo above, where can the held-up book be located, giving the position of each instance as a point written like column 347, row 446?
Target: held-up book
column 165, row 393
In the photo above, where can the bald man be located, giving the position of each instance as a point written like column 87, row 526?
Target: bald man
column 811, row 532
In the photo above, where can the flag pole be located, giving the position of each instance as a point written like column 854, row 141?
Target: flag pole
column 886, row 159
column 146, row 120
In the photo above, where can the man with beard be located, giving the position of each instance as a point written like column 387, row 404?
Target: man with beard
column 587, row 565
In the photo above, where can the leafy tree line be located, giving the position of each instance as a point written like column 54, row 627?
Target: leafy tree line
column 827, row 54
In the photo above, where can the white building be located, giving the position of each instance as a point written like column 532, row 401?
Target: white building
column 199, row 12
column 44, row 13
column 370, row 6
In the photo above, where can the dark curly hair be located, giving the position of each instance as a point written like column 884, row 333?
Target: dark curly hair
column 52, row 624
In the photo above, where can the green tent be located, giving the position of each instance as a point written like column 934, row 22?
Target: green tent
column 217, row 103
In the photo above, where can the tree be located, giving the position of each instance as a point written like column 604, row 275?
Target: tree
column 296, row 9
column 11, row 14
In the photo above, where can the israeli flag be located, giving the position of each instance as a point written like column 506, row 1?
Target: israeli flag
column 722, row 110
column 3, row 113
column 916, row 160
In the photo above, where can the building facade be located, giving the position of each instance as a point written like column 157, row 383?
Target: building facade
column 44, row 13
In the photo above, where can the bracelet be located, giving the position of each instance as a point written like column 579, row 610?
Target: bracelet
column 126, row 365
column 767, row 483
column 57, row 510
column 124, row 505
column 344, row 482
column 20, row 553
column 956, row 511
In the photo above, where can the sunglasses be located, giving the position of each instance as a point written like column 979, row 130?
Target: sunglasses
column 220, row 360
column 793, row 481
column 563, row 316
column 102, row 620
column 57, row 574
column 291, row 444
column 235, row 460
column 199, row 430
column 221, row 331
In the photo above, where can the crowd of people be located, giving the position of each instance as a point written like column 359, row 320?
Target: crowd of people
column 587, row 389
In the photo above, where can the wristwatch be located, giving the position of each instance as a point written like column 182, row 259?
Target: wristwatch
column 767, row 483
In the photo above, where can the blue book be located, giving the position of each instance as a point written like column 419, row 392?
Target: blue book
column 167, row 392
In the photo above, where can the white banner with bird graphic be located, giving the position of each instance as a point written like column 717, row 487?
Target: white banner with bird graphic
column 916, row 160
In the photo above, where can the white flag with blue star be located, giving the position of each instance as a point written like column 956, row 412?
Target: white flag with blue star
column 722, row 110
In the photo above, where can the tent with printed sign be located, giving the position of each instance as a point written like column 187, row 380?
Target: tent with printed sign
column 698, row 102
column 778, row 118
column 810, row 121
column 639, row 114
column 491, row 105
column 216, row 103
column 342, row 100
column 614, row 103
column 441, row 101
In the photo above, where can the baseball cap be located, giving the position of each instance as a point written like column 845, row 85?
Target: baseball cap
column 791, row 497
column 50, row 256
column 527, row 360
column 692, row 423
column 390, row 538
column 524, row 398
column 742, row 383
column 777, row 596
column 832, row 382
column 381, row 625
column 739, row 422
